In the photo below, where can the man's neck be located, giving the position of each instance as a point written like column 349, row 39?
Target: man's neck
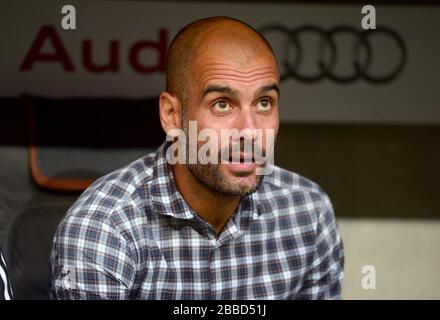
column 215, row 208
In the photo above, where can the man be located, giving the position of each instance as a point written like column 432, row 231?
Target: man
column 159, row 229
column 5, row 283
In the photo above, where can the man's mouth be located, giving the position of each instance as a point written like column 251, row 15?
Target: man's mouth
column 241, row 164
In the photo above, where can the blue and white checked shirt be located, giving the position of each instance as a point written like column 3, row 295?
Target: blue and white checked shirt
column 131, row 235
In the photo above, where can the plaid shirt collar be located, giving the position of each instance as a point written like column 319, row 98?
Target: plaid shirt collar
column 168, row 200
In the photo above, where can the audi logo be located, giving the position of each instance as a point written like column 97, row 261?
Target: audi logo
column 359, row 56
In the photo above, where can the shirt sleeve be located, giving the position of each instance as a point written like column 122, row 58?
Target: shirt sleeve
column 325, row 276
column 5, row 283
column 90, row 260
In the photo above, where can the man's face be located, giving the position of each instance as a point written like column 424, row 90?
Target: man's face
column 233, row 89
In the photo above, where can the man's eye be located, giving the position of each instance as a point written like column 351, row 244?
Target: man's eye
column 264, row 105
column 222, row 106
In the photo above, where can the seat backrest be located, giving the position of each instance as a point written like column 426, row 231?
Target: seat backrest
column 29, row 246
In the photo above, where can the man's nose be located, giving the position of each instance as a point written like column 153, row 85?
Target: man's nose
column 246, row 123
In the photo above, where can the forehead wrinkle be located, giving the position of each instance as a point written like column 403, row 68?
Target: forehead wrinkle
column 245, row 79
column 224, row 66
column 235, row 71
column 237, row 75
column 234, row 74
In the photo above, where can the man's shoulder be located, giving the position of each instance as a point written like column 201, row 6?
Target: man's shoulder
column 114, row 191
column 291, row 195
column 289, row 182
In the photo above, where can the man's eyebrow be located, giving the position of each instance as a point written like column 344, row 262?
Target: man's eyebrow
column 269, row 87
column 220, row 89
column 229, row 90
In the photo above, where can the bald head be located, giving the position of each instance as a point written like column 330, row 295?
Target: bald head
column 215, row 35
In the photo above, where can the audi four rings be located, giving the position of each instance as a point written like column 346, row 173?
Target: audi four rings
column 328, row 53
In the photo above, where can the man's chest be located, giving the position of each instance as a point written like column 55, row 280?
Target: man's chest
column 269, row 264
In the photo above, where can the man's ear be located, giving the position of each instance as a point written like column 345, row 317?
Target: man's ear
column 170, row 111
